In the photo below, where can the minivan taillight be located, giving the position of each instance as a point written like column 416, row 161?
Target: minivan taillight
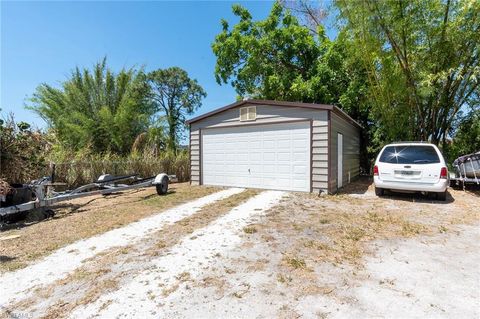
column 443, row 172
column 375, row 170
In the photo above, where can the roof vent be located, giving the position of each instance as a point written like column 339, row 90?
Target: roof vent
column 248, row 113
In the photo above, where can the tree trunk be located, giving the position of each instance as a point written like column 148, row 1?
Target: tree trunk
column 172, row 143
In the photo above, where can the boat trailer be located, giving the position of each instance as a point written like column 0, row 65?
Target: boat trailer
column 41, row 194
column 467, row 170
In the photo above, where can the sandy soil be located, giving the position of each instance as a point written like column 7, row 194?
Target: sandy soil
column 275, row 255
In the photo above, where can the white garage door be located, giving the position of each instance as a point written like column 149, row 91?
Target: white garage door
column 273, row 156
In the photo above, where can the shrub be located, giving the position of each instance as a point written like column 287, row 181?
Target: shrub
column 22, row 151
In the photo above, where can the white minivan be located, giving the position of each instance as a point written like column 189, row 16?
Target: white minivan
column 411, row 167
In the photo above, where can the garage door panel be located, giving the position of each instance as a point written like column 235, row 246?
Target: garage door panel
column 269, row 156
column 300, row 156
column 299, row 184
column 283, row 156
column 268, row 169
column 284, row 144
column 256, row 156
column 269, row 145
column 283, row 169
column 256, row 144
column 299, row 170
column 275, row 156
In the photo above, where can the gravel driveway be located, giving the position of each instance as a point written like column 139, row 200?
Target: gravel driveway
column 269, row 254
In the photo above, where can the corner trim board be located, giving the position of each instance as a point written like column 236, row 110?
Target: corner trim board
column 200, row 157
column 329, row 151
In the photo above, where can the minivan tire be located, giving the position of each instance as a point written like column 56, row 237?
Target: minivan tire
column 379, row 191
column 442, row 196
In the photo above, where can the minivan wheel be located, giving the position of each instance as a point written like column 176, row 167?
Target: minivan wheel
column 442, row 196
column 379, row 191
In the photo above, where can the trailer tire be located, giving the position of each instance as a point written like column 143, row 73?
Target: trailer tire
column 162, row 188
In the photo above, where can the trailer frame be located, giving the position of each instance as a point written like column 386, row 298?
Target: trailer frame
column 46, row 196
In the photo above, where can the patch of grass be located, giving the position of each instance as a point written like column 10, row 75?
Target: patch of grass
column 160, row 244
column 12, row 265
column 442, row 229
column 297, row 227
column 316, row 245
column 184, row 276
column 284, row 278
column 409, row 229
column 151, row 295
column 167, row 291
column 249, row 230
column 354, row 233
column 295, row 262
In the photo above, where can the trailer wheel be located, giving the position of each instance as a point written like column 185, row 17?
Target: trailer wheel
column 162, row 188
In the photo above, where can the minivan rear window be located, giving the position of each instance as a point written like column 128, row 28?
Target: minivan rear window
column 413, row 154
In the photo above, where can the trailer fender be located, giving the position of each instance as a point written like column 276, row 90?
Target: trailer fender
column 159, row 178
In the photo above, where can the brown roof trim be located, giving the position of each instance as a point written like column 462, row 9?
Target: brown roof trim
column 347, row 117
column 277, row 103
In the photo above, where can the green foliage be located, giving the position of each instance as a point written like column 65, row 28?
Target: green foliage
column 422, row 58
column 174, row 94
column 22, row 151
column 466, row 139
column 271, row 59
column 95, row 109
column 404, row 69
column 280, row 59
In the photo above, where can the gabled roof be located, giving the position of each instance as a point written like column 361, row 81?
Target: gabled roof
column 278, row 103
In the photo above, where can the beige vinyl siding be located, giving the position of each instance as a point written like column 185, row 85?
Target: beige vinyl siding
column 320, row 153
column 271, row 114
column 266, row 114
column 351, row 151
column 195, row 157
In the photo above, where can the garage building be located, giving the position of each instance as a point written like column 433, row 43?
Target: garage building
column 275, row 145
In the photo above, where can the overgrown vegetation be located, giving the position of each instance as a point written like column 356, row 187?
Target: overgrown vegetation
column 22, row 150
column 101, row 122
column 84, row 170
column 27, row 154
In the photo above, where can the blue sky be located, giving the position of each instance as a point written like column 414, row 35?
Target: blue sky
column 43, row 41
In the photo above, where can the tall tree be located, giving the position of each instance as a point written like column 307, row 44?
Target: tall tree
column 280, row 59
column 272, row 59
column 423, row 61
column 95, row 109
column 174, row 95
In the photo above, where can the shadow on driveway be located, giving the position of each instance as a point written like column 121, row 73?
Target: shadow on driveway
column 364, row 184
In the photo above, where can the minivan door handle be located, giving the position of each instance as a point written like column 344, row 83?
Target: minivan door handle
column 407, row 166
